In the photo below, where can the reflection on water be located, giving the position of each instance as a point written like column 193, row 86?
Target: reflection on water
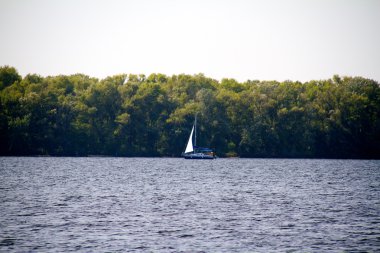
column 174, row 205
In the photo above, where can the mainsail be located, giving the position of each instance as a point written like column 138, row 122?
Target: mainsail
column 189, row 147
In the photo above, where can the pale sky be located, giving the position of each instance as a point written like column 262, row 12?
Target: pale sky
column 242, row 39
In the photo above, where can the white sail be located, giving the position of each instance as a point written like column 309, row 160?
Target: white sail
column 189, row 147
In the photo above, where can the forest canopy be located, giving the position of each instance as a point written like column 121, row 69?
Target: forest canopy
column 138, row 115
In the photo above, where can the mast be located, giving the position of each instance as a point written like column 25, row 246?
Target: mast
column 195, row 131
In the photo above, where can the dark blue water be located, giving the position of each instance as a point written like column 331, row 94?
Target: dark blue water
column 177, row 205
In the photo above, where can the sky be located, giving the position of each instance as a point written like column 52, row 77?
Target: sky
column 243, row 39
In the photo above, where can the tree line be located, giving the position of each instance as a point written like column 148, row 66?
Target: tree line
column 138, row 115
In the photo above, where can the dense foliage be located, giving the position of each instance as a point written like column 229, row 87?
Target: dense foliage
column 136, row 115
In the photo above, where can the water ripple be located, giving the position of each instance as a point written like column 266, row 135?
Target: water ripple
column 175, row 205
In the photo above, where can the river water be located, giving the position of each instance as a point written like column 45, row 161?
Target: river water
column 176, row 205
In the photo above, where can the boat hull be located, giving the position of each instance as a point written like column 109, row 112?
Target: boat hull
column 198, row 156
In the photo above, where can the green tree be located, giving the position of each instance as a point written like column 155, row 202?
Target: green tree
column 136, row 115
column 8, row 76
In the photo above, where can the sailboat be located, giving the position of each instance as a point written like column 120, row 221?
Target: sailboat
column 195, row 152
